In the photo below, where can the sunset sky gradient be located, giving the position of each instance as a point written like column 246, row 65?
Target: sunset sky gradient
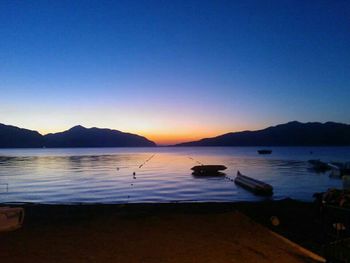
column 173, row 71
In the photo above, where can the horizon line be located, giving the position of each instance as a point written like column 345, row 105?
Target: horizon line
column 175, row 142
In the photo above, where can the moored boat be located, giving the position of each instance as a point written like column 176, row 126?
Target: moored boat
column 253, row 185
column 264, row 151
column 208, row 169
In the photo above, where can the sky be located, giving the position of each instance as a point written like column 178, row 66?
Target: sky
column 173, row 71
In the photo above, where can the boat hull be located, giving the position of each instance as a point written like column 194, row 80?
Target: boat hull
column 208, row 170
column 253, row 185
column 264, row 151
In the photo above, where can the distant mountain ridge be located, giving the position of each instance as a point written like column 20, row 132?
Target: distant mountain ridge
column 78, row 136
column 14, row 137
column 289, row 134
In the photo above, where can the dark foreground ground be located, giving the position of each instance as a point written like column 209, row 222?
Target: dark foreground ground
column 176, row 232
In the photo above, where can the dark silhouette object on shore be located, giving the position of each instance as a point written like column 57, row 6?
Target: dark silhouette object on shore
column 289, row 134
column 253, row 185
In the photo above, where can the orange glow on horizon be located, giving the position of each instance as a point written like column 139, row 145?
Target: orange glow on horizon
column 170, row 139
column 162, row 125
column 164, row 136
column 175, row 138
column 167, row 136
column 161, row 138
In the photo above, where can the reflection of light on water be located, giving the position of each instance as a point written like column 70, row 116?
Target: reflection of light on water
column 4, row 187
column 161, row 174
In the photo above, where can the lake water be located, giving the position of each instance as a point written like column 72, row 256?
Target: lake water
column 105, row 175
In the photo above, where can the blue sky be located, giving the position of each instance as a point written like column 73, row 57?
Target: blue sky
column 173, row 70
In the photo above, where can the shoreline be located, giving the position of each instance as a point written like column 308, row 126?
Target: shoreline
column 298, row 219
column 164, row 232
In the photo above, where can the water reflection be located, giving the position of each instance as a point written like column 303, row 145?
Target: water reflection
column 157, row 175
column 208, row 175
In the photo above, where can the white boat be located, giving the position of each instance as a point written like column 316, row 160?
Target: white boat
column 253, row 185
column 11, row 218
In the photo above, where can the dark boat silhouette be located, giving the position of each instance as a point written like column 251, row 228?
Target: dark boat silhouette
column 208, row 170
column 264, row 151
column 253, row 185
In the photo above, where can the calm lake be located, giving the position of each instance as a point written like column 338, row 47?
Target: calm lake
column 105, row 175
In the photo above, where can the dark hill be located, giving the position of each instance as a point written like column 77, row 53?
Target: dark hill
column 14, row 137
column 79, row 136
column 289, row 134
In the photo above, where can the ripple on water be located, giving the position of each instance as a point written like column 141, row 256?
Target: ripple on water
column 162, row 174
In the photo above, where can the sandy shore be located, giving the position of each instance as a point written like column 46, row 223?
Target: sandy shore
column 209, row 232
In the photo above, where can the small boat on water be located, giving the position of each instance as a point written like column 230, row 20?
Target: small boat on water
column 264, row 151
column 211, row 170
column 253, row 185
column 11, row 218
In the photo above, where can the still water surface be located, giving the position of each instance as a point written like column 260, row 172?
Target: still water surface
column 105, row 175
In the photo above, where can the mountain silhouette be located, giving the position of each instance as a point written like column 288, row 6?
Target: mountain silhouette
column 78, row 136
column 288, row 134
column 14, row 137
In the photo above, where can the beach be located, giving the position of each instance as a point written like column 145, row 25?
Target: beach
column 173, row 232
